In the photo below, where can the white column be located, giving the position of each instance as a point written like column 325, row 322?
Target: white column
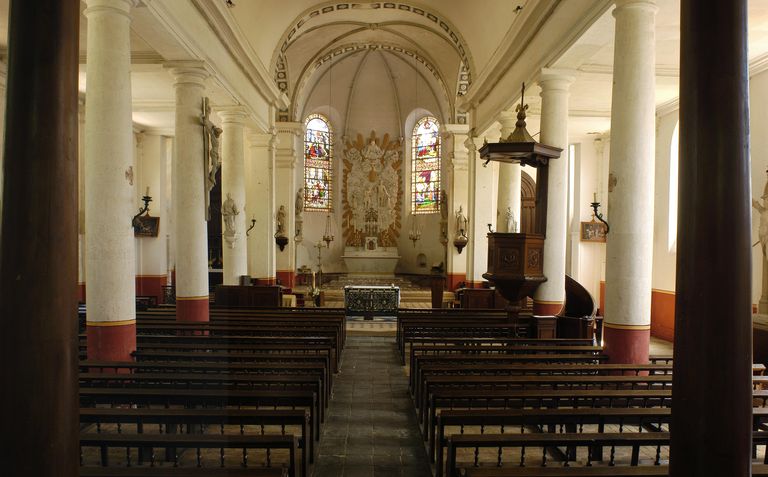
column 259, row 207
column 233, row 186
column 288, row 150
column 191, row 230
column 152, row 251
column 481, row 213
column 109, row 178
column 458, row 196
column 549, row 297
column 629, row 249
column 509, row 182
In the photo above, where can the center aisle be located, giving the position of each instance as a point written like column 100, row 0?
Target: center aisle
column 371, row 426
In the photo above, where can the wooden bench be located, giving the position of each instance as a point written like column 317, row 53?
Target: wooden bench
column 181, row 472
column 632, row 440
column 191, row 441
column 758, row 470
column 276, row 382
column 194, row 419
column 265, row 367
column 491, row 359
column 92, row 397
column 484, row 368
column 503, row 420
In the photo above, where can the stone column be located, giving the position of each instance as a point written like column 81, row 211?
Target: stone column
column 629, row 248
column 38, row 252
column 712, row 379
column 259, row 206
column 109, row 183
column 457, row 197
column 233, row 186
column 509, row 182
column 152, row 251
column 549, row 297
column 286, row 155
column 480, row 214
column 191, row 231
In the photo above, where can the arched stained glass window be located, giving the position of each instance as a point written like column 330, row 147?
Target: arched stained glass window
column 425, row 179
column 318, row 163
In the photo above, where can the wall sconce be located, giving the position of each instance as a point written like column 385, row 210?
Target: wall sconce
column 415, row 232
column 328, row 235
column 596, row 205
column 144, row 210
column 253, row 224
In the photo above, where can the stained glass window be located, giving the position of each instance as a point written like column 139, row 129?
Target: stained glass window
column 425, row 180
column 318, row 163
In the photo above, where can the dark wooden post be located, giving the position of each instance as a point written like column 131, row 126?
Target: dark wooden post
column 38, row 265
column 712, row 405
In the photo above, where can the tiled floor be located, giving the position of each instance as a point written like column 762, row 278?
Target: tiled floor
column 371, row 427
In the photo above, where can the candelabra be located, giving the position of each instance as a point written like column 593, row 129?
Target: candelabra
column 596, row 205
column 328, row 236
column 415, row 232
column 144, row 210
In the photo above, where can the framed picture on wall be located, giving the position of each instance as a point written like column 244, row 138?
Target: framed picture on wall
column 593, row 231
column 146, row 226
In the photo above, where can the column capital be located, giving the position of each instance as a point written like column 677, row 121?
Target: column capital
column 556, row 79
column 188, row 72
column 260, row 139
column 233, row 114
column 122, row 7
column 625, row 5
column 290, row 128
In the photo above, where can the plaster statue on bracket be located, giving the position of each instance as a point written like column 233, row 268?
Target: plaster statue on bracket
column 229, row 211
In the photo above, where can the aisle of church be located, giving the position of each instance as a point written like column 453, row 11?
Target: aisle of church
column 371, row 427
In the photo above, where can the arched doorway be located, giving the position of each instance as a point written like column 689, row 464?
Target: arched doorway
column 527, row 203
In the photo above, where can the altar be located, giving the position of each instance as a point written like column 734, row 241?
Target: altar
column 370, row 301
column 378, row 261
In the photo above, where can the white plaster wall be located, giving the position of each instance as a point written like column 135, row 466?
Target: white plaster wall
column 758, row 93
column 590, row 268
column 664, row 258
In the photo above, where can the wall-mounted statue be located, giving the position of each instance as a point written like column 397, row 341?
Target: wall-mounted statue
column 280, row 222
column 229, row 211
column 212, row 155
column 298, row 237
column 461, row 223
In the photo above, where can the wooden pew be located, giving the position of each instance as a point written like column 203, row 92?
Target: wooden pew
column 181, row 472
column 193, row 441
column 492, row 359
column 93, row 397
column 145, row 419
column 632, row 440
column 503, row 420
column 758, row 470
column 264, row 367
column 269, row 382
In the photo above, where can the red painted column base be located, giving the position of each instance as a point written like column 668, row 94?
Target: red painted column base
column 192, row 309
column 547, row 308
column 287, row 278
column 111, row 341
column 151, row 285
column 626, row 345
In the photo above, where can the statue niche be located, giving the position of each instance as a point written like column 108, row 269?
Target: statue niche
column 371, row 202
